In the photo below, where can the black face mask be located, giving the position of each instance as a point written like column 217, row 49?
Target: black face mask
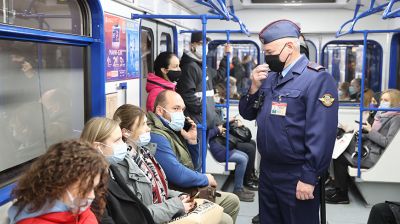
column 304, row 50
column 274, row 63
column 174, row 76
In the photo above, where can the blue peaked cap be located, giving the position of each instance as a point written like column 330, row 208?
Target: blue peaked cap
column 277, row 30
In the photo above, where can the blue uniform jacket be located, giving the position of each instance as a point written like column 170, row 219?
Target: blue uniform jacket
column 302, row 141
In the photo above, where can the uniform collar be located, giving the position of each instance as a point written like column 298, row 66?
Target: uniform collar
column 296, row 68
column 287, row 69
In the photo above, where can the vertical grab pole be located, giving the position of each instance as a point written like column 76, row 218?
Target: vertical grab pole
column 227, row 100
column 204, row 97
column 364, row 65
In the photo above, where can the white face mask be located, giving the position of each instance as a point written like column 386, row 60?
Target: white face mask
column 77, row 206
column 177, row 120
column 119, row 152
column 384, row 105
column 199, row 52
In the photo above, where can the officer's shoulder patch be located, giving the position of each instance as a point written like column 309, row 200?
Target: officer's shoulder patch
column 327, row 100
column 316, row 67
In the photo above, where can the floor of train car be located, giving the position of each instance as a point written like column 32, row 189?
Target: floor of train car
column 354, row 213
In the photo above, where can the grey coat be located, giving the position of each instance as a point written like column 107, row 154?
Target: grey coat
column 141, row 187
column 388, row 130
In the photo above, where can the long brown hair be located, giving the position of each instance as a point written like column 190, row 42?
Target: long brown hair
column 63, row 165
column 127, row 115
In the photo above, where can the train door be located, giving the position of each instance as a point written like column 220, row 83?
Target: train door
column 156, row 38
column 148, row 32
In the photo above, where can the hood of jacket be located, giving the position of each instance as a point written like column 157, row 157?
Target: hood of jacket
column 155, row 82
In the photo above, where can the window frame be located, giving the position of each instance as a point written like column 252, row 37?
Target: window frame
column 355, row 42
column 94, row 61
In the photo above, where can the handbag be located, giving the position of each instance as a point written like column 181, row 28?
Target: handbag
column 242, row 132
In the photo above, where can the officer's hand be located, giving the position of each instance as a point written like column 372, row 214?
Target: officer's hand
column 257, row 76
column 211, row 181
column 191, row 134
column 304, row 191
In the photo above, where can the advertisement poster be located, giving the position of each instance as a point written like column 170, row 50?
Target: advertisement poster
column 115, row 40
column 132, row 43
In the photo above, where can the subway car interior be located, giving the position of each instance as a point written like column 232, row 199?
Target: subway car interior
column 66, row 61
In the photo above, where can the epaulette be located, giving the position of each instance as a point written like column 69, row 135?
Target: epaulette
column 316, row 67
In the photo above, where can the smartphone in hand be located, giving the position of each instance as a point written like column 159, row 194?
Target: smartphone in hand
column 359, row 122
column 188, row 125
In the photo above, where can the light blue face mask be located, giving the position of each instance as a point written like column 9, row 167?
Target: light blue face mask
column 384, row 105
column 340, row 92
column 144, row 139
column 119, row 153
column 352, row 90
column 177, row 120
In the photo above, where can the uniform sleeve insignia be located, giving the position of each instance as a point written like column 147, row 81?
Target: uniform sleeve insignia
column 327, row 99
column 316, row 67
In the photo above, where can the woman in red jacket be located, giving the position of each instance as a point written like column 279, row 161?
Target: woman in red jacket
column 166, row 73
column 60, row 186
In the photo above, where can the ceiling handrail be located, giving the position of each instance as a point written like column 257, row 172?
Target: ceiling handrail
column 388, row 13
column 356, row 17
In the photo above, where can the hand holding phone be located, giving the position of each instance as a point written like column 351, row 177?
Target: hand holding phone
column 359, row 122
column 188, row 125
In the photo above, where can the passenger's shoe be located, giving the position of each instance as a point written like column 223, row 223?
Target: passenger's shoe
column 243, row 196
column 250, row 185
column 249, row 192
column 337, row 197
column 329, row 183
column 256, row 219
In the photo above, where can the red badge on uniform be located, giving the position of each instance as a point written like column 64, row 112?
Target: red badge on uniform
column 327, row 100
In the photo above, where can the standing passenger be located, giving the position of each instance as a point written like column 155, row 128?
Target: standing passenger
column 166, row 73
column 295, row 104
column 60, row 186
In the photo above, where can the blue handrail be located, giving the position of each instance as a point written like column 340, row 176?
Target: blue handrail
column 365, row 33
column 356, row 17
column 388, row 13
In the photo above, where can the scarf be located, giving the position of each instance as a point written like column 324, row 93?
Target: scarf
column 380, row 118
column 154, row 173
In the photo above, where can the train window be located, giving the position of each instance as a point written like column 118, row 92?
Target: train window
column 184, row 43
column 312, row 49
column 66, row 16
column 147, row 50
column 344, row 61
column 394, row 79
column 165, row 42
column 38, row 89
column 244, row 58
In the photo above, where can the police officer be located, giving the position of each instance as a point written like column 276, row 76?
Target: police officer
column 294, row 102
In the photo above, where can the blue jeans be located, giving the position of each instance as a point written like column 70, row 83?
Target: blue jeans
column 240, row 158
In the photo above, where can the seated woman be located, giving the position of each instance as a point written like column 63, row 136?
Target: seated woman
column 343, row 91
column 60, row 186
column 218, row 151
column 123, row 207
column 142, row 173
column 378, row 136
column 166, row 73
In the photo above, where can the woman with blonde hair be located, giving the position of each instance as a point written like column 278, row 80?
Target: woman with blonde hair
column 376, row 138
column 123, row 207
column 60, row 187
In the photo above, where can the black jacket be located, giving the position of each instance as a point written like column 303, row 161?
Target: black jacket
column 190, row 88
column 123, row 207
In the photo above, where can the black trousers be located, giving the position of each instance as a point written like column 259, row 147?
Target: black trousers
column 250, row 149
column 342, row 177
column 381, row 213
